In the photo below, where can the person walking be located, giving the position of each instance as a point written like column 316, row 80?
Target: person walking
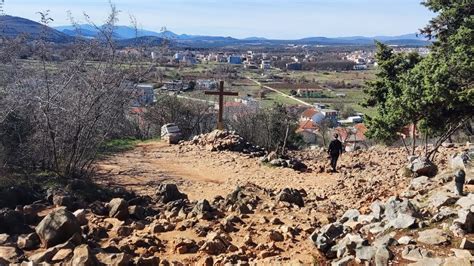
column 334, row 151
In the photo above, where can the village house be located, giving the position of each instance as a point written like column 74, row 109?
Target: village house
column 144, row 95
column 353, row 137
column 308, row 130
column 234, row 59
column 174, row 86
column 206, row 84
column 311, row 114
column 266, row 64
column 351, row 120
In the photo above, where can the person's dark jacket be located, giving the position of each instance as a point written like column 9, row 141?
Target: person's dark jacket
column 335, row 147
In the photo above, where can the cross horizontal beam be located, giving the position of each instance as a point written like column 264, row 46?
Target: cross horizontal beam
column 221, row 93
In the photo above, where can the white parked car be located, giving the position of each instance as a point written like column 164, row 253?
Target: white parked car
column 171, row 133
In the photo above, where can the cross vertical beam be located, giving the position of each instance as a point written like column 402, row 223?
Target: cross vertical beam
column 221, row 93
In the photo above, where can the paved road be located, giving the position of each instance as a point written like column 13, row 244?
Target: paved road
column 280, row 92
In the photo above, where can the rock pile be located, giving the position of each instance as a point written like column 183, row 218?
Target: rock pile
column 424, row 225
column 219, row 140
column 284, row 161
column 364, row 219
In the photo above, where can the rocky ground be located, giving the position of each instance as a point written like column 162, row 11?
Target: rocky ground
column 213, row 201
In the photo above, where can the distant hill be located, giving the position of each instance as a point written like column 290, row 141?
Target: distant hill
column 141, row 41
column 15, row 26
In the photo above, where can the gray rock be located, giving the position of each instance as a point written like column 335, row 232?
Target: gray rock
column 327, row 236
column 373, row 228
column 28, row 242
column 343, row 262
column 63, row 200
column 350, row 215
column 118, row 208
column 466, row 202
column 414, row 253
column 444, row 213
column 203, row 209
column 385, row 241
column 57, row 227
column 366, row 219
column 382, row 256
column 459, row 161
column 432, row 237
column 442, row 199
column 419, row 182
column 366, row 253
column 348, row 244
column 292, row 196
column 394, row 207
column 423, row 167
column 377, row 209
column 169, row 192
column 405, row 240
column 466, row 220
column 402, row 221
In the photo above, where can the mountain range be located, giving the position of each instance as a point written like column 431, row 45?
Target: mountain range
column 13, row 26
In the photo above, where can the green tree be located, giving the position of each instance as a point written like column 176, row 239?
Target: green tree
column 435, row 93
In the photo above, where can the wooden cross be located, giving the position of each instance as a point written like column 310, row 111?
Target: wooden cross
column 221, row 93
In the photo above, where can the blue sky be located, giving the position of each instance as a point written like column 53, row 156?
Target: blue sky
column 280, row 19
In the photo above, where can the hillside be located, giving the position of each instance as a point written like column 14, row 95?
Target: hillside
column 200, row 203
column 15, row 26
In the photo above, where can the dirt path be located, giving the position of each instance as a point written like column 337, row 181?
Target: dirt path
column 199, row 173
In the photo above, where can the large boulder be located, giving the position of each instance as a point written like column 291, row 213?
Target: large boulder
column 423, row 167
column 118, row 208
column 292, row 196
column 400, row 213
column 169, row 192
column 57, row 227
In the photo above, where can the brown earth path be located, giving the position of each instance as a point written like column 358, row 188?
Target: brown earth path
column 199, row 173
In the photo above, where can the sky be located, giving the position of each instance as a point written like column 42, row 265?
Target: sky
column 276, row 19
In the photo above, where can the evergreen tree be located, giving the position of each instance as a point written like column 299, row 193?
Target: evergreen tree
column 436, row 92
